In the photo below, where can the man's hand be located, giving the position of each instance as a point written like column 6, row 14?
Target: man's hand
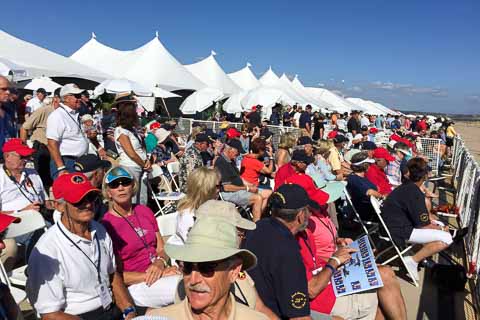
column 154, row 272
column 147, row 166
column 102, row 153
column 32, row 206
column 343, row 254
column 343, row 242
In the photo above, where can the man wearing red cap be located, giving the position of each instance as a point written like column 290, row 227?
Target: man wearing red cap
column 20, row 188
column 71, row 271
column 376, row 171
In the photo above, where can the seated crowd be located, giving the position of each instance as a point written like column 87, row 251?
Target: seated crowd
column 257, row 230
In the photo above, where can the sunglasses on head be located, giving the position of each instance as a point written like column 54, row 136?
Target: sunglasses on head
column 89, row 198
column 122, row 181
column 207, row 269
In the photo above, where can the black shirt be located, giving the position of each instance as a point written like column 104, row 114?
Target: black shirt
column 254, row 118
column 280, row 276
column 354, row 124
column 229, row 171
column 316, row 130
column 304, row 119
column 287, row 119
column 405, row 210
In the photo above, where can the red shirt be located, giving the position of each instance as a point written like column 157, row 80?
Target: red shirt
column 325, row 300
column 250, row 169
column 283, row 173
column 378, row 177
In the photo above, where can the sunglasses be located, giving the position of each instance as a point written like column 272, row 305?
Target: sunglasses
column 88, row 199
column 4, row 88
column 207, row 269
column 122, row 181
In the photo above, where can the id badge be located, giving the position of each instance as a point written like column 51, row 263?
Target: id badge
column 105, row 296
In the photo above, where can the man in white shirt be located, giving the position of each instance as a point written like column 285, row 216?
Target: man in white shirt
column 71, row 271
column 20, row 189
column 296, row 116
column 36, row 102
column 364, row 121
column 66, row 139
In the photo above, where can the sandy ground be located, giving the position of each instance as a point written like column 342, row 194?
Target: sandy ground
column 470, row 132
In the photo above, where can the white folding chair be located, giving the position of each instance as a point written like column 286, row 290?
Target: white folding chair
column 377, row 207
column 174, row 168
column 31, row 221
column 169, row 198
column 373, row 225
column 167, row 224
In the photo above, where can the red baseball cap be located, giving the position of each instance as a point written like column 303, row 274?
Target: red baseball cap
column 18, row 146
column 72, row 187
column 332, row 134
column 232, row 133
column 6, row 220
column 307, row 183
column 254, row 108
column 383, row 153
column 373, row 130
column 154, row 126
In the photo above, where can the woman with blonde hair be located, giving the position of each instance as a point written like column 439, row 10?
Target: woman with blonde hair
column 285, row 148
column 202, row 185
column 320, row 170
column 137, row 243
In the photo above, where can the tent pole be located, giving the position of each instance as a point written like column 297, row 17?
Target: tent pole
column 166, row 109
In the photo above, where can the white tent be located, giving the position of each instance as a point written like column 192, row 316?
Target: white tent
column 270, row 79
column 124, row 85
column 8, row 67
column 101, row 57
column 297, row 84
column 338, row 103
column 366, row 106
column 200, row 100
column 150, row 65
column 39, row 61
column 234, row 103
column 245, row 78
column 209, row 72
column 265, row 96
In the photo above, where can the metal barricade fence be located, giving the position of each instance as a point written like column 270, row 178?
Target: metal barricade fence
column 430, row 148
column 184, row 126
column 466, row 179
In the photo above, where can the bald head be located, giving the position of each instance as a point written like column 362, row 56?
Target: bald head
column 4, row 92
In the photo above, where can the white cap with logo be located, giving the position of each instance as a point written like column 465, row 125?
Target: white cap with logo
column 70, row 89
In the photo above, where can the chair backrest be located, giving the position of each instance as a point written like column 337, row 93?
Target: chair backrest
column 376, row 205
column 31, row 220
column 167, row 224
column 173, row 167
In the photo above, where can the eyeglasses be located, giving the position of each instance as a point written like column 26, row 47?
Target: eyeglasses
column 207, row 269
column 122, row 181
column 88, row 199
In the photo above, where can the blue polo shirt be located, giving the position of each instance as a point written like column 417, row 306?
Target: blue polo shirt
column 279, row 276
column 304, row 119
column 357, row 187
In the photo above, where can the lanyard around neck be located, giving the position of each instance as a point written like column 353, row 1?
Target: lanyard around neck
column 77, row 122
column 22, row 188
column 141, row 237
column 95, row 265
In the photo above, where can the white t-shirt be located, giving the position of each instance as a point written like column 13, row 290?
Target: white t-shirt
column 296, row 117
column 185, row 221
column 124, row 159
column 63, row 126
column 60, row 277
column 33, row 104
column 341, row 124
column 11, row 198
column 364, row 121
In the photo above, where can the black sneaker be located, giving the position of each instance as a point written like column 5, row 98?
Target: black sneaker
column 458, row 235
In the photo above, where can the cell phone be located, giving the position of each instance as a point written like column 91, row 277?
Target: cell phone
column 112, row 154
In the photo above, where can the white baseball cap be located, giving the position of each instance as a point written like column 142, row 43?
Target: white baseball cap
column 70, row 89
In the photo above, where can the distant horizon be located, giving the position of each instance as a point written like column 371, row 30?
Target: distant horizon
column 405, row 55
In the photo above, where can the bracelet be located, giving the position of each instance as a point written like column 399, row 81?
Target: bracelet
column 165, row 264
column 336, row 260
column 331, row 268
column 61, row 168
column 248, row 189
column 128, row 310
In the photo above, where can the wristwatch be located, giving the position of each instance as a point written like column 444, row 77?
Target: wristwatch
column 128, row 310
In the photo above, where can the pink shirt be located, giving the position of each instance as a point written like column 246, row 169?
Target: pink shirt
column 324, row 234
column 128, row 243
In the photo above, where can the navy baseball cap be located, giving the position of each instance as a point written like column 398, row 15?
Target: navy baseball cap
column 291, row 196
column 304, row 140
column 235, row 143
column 90, row 162
column 301, row 156
column 368, row 145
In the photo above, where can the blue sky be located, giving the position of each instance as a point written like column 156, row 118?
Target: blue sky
column 419, row 55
